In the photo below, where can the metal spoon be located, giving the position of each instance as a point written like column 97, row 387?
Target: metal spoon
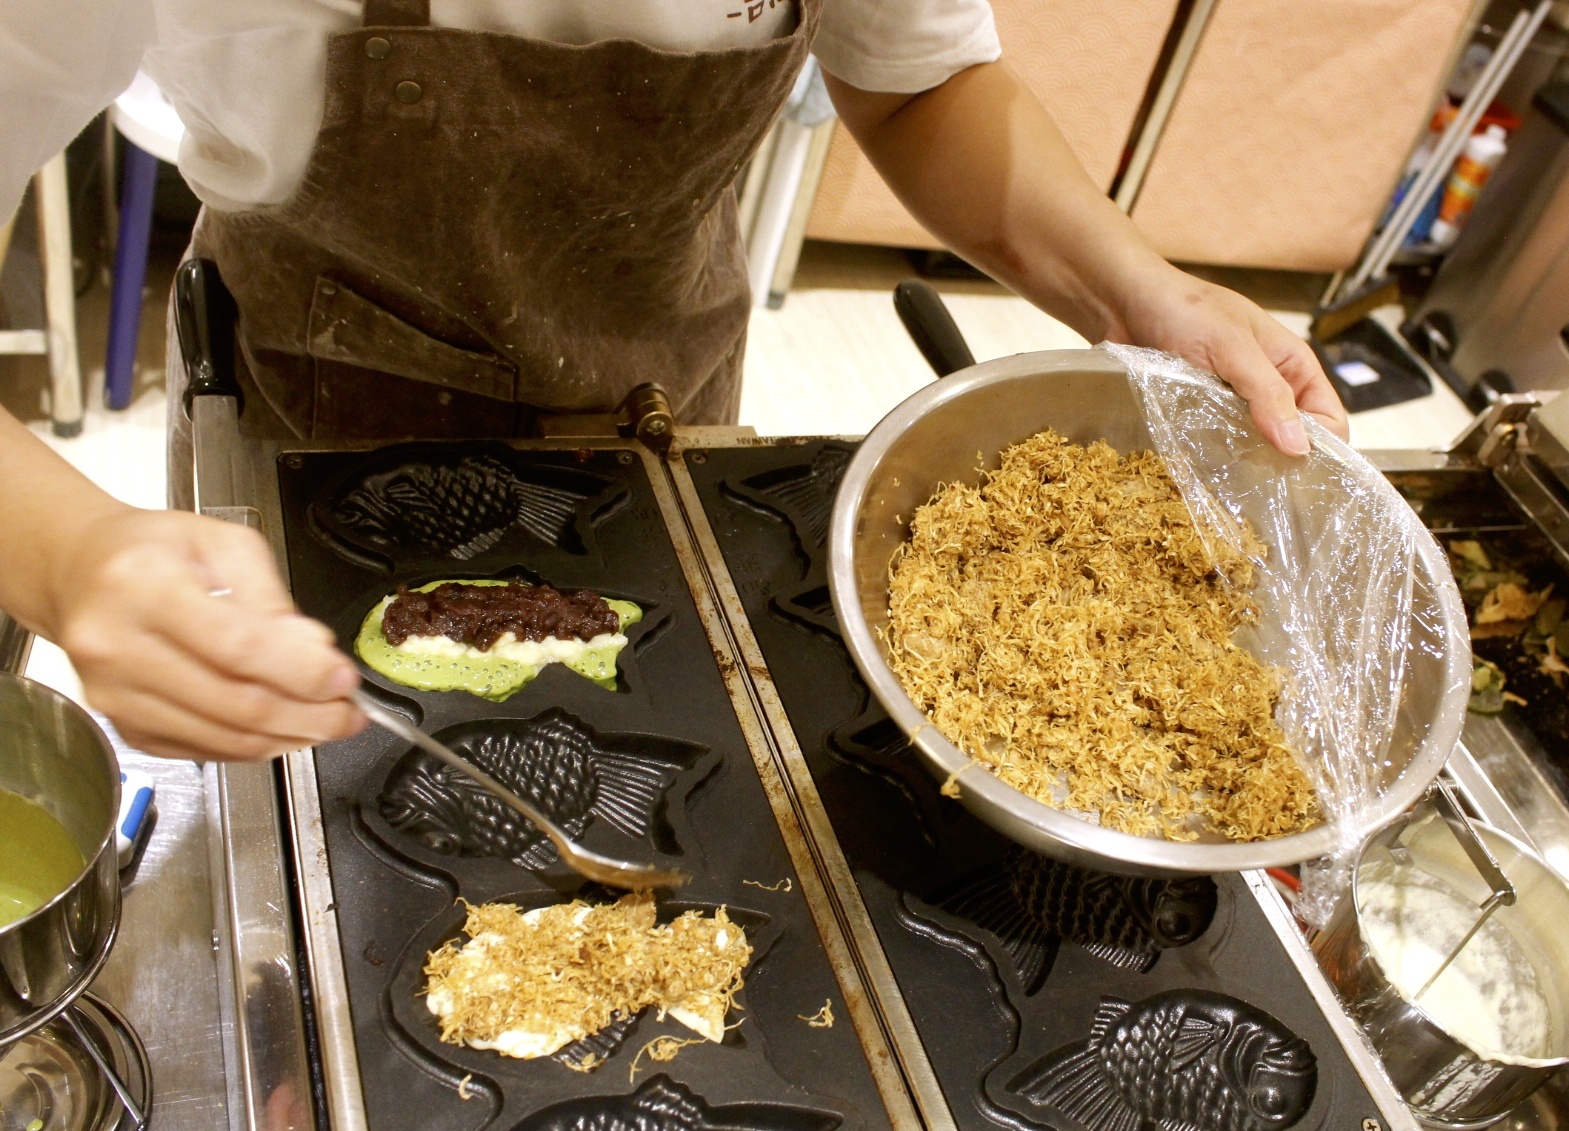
column 604, row 869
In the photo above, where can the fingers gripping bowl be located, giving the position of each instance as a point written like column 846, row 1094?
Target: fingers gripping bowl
column 1314, row 515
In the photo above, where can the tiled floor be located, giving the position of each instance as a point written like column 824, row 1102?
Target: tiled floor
column 833, row 361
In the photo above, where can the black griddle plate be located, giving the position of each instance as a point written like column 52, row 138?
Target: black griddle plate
column 657, row 769
column 917, row 856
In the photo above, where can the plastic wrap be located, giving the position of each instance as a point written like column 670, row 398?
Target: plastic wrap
column 1339, row 607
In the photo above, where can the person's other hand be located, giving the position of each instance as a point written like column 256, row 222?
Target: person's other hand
column 185, row 637
column 1216, row 329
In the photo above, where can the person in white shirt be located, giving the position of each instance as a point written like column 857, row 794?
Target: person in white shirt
column 445, row 217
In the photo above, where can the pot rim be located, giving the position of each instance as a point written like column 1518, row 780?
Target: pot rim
column 107, row 842
column 1530, row 1062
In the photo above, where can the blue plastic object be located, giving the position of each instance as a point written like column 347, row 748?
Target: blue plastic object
column 130, row 273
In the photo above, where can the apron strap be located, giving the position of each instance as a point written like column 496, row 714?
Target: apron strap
column 397, row 13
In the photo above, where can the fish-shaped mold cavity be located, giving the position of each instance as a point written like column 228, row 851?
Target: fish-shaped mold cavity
column 874, row 744
column 558, row 762
column 803, row 495
column 663, row 1105
column 1031, row 903
column 1184, row 1060
column 457, row 507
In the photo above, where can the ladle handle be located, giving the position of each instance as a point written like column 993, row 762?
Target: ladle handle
column 1482, row 860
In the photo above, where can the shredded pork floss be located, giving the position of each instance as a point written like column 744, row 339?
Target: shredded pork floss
column 1064, row 624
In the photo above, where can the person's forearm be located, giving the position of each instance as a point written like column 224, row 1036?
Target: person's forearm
column 980, row 162
column 44, row 501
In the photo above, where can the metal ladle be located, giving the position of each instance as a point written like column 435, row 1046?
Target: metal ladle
column 604, row 869
column 1503, row 891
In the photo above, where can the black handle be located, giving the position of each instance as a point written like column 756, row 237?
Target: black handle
column 204, row 316
column 933, row 329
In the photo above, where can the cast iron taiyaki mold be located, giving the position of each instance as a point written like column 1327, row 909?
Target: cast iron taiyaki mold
column 1033, row 904
column 663, row 1105
column 1185, row 1060
column 1001, row 959
column 657, row 770
column 417, row 501
column 556, row 761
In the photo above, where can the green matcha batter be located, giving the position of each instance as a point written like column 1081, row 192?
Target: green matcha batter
column 38, row 858
column 490, row 676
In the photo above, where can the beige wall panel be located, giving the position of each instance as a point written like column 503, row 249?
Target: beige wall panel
column 1089, row 61
column 1292, row 127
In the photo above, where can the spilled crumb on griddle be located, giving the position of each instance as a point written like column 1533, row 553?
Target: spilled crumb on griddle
column 662, row 1049
column 529, row 983
column 822, row 1019
column 782, row 885
column 1065, row 625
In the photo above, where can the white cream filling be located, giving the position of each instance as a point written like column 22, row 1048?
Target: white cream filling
column 530, row 653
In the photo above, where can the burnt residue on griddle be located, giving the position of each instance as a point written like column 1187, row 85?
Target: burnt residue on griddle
column 556, row 761
column 1184, row 1058
column 1032, row 904
column 479, row 615
column 661, row 1104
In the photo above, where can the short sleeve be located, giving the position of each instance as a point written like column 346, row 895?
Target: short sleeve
column 60, row 64
column 904, row 46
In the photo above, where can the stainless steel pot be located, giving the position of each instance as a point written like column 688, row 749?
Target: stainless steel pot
column 52, row 752
column 1447, row 1084
column 940, row 435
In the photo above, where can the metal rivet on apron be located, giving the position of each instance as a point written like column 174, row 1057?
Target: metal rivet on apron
column 408, row 91
column 377, row 47
column 443, row 397
column 329, row 288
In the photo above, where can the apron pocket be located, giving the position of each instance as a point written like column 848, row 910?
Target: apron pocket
column 377, row 376
column 349, row 328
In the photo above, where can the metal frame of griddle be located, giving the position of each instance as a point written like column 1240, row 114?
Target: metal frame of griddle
column 261, row 837
column 236, row 480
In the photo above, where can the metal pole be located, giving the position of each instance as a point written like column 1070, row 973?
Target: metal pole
column 1160, row 110
column 65, row 370
column 1378, row 256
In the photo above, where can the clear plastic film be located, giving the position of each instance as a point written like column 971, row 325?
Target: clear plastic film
column 1355, row 622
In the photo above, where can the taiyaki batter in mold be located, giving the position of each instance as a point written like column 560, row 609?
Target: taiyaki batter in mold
column 492, row 637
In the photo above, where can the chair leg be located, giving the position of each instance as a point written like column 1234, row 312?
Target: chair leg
column 65, row 369
column 130, row 273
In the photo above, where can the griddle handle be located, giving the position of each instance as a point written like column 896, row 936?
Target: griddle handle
column 204, row 318
column 932, row 328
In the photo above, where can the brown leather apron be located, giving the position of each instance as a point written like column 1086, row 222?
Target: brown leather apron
column 492, row 225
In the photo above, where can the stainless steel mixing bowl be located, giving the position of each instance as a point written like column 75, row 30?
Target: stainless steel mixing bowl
column 943, row 434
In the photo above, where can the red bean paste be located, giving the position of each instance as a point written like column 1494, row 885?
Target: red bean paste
column 479, row 615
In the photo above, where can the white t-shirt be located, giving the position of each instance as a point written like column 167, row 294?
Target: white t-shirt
column 248, row 77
